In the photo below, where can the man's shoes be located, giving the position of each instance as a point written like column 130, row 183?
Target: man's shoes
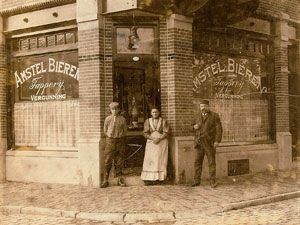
column 161, row 182
column 121, row 183
column 105, row 184
column 195, row 184
column 213, row 184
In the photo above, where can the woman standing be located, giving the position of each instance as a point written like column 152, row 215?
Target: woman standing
column 155, row 163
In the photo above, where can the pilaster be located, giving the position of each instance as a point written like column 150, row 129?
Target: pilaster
column 95, row 87
column 3, row 120
column 283, row 135
column 176, row 60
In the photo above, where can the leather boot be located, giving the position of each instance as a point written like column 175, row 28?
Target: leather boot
column 105, row 182
column 196, row 183
column 213, row 183
column 121, row 183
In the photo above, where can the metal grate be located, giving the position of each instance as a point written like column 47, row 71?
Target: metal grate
column 238, row 167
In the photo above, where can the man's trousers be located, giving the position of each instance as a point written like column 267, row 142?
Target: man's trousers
column 205, row 147
column 114, row 153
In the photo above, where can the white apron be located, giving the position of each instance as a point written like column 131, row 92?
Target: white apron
column 156, row 156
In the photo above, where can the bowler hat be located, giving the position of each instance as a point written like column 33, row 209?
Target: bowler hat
column 203, row 101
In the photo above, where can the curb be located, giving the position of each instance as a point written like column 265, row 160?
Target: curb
column 261, row 201
column 238, row 205
column 150, row 217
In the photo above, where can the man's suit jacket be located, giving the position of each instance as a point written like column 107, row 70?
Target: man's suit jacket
column 210, row 128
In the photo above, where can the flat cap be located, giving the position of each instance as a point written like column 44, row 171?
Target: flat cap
column 203, row 101
column 114, row 105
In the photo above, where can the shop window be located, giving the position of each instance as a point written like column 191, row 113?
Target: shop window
column 15, row 45
column 245, row 45
column 24, row 44
column 42, row 42
column 230, row 40
column 138, row 40
column 32, row 43
column 50, row 41
column 137, row 90
column 238, row 90
column 46, row 77
column 238, row 43
column 45, row 103
column 70, row 37
column 60, row 39
column 46, row 125
column 44, row 92
column 214, row 40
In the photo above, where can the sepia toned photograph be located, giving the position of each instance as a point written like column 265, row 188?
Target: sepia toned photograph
column 149, row 112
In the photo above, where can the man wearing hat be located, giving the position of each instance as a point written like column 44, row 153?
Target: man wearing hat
column 115, row 129
column 208, row 134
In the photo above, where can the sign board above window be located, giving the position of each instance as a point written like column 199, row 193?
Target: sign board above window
column 46, row 78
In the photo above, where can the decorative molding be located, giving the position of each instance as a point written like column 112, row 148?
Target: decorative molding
column 181, row 22
column 34, row 6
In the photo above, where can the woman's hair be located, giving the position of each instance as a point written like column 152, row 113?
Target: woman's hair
column 154, row 107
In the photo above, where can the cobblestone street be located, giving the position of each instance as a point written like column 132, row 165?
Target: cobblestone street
column 279, row 213
column 164, row 198
column 37, row 203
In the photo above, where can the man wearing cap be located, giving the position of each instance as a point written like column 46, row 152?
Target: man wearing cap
column 115, row 129
column 208, row 134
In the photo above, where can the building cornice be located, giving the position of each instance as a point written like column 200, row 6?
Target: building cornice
column 33, row 6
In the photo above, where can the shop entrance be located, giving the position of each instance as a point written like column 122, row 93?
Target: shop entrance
column 136, row 88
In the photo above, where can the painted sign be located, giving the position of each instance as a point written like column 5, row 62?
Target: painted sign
column 47, row 78
column 220, row 77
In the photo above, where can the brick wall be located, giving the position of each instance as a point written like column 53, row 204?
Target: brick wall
column 90, row 64
column 281, row 89
column 12, row 4
column 7, row 4
column 274, row 7
column 3, row 77
column 163, row 68
column 107, row 90
column 176, row 78
column 95, row 86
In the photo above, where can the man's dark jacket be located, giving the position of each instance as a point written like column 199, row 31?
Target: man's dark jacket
column 210, row 128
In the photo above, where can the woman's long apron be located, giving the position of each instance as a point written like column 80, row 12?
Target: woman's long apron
column 156, row 159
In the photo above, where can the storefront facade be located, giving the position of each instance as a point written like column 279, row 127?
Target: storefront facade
column 63, row 62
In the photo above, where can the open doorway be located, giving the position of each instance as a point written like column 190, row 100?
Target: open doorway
column 137, row 89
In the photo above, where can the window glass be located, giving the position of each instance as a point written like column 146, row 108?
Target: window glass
column 135, row 40
column 46, row 77
column 237, row 88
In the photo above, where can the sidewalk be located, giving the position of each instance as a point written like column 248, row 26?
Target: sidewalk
column 149, row 203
